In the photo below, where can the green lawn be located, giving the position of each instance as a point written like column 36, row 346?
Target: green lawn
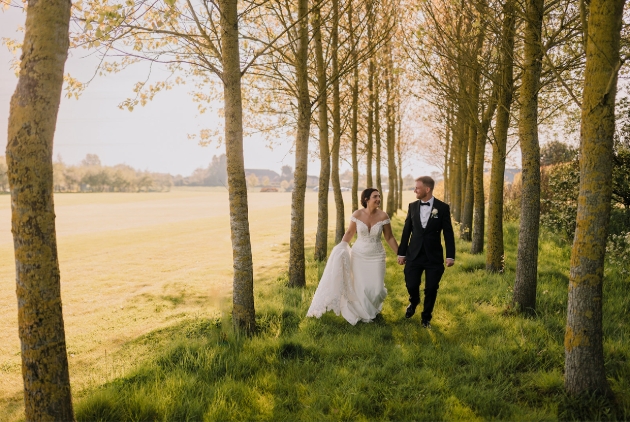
column 480, row 361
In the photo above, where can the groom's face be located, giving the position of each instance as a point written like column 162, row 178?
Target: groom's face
column 422, row 191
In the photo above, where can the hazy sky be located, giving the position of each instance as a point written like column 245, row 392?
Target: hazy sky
column 153, row 137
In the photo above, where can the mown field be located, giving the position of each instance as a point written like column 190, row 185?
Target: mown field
column 135, row 263
column 149, row 336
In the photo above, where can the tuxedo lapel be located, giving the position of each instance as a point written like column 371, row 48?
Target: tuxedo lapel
column 416, row 215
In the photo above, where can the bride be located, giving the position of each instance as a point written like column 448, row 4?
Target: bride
column 353, row 283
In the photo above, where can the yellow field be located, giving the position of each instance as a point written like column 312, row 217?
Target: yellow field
column 132, row 263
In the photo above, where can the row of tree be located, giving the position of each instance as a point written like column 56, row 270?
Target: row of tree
column 347, row 75
column 495, row 66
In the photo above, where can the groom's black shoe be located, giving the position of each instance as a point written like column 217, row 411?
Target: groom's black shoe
column 426, row 324
column 411, row 309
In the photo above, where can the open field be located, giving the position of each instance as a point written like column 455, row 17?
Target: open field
column 134, row 263
column 146, row 282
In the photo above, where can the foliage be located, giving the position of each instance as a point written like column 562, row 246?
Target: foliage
column 91, row 176
column 559, row 192
column 558, row 195
column 512, row 199
column 213, row 175
column 480, row 361
column 556, row 152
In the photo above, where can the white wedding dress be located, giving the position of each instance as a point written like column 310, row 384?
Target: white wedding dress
column 353, row 283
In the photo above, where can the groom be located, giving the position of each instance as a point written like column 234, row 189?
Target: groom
column 426, row 219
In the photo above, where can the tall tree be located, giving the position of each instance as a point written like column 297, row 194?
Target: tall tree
column 297, row 264
column 529, row 226
column 321, row 237
column 202, row 41
column 354, row 119
column 336, row 126
column 390, row 131
column 32, row 121
column 370, row 111
column 243, row 313
column 495, row 253
column 377, row 132
column 480, row 197
column 583, row 341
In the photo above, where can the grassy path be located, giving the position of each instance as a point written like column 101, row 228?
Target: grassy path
column 479, row 362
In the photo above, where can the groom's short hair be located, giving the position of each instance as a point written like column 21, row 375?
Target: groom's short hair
column 426, row 181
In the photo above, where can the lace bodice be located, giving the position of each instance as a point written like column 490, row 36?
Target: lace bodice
column 368, row 241
column 371, row 234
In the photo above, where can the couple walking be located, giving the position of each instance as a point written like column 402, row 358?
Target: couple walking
column 353, row 283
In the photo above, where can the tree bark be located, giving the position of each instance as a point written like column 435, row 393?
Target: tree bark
column 32, row 121
column 495, row 254
column 455, row 173
column 390, row 130
column 336, row 111
column 321, row 237
column 297, row 263
column 377, row 133
column 529, row 226
column 480, row 197
column 355, row 112
column 584, row 355
column 243, row 313
column 370, row 113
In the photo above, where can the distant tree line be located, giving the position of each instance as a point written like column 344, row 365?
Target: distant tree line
column 91, row 176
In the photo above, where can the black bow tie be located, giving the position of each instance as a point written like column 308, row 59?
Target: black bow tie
column 425, row 203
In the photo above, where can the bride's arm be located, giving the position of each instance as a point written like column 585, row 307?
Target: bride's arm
column 389, row 237
column 352, row 229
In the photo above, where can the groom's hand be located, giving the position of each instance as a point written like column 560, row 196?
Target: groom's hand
column 401, row 260
column 450, row 262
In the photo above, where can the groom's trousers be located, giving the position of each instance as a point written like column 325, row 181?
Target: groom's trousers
column 413, row 277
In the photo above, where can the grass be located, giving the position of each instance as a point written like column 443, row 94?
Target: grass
column 479, row 362
column 133, row 264
column 146, row 283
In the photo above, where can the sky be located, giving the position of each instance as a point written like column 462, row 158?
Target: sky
column 153, row 137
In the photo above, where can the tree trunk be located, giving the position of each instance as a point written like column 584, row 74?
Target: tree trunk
column 370, row 113
column 480, row 197
column 584, row 355
column 447, row 153
column 32, row 121
column 455, row 173
column 400, row 178
column 377, row 133
column 243, row 313
column 297, row 263
column 355, row 113
column 495, row 254
column 336, row 111
column 469, row 201
column 465, row 231
column 527, row 256
column 321, row 237
column 390, row 130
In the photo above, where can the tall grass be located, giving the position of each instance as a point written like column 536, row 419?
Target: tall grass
column 479, row 361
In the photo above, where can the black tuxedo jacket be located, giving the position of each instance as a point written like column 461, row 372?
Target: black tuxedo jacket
column 428, row 239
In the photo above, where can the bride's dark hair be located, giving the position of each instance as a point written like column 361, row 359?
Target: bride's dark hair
column 365, row 196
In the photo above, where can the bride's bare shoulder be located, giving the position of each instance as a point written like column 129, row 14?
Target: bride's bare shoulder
column 383, row 216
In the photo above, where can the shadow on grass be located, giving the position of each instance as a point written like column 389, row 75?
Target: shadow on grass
column 476, row 363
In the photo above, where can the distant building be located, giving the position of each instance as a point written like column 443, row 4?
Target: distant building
column 312, row 181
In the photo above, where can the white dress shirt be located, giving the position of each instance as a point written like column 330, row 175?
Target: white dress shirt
column 425, row 212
